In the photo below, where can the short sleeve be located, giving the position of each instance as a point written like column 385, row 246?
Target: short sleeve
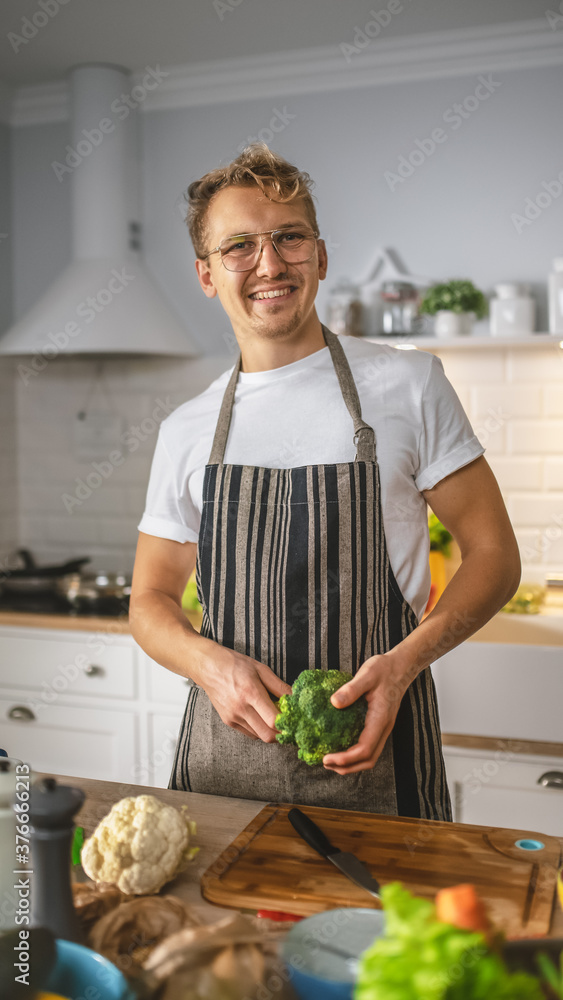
column 168, row 513
column 446, row 441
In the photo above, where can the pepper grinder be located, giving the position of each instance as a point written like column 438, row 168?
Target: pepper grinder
column 51, row 811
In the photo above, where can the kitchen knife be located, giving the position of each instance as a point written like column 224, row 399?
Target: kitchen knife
column 348, row 864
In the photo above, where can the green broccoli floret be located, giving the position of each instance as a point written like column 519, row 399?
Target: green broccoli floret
column 308, row 719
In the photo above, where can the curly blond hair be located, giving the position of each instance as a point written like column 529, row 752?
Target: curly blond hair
column 258, row 165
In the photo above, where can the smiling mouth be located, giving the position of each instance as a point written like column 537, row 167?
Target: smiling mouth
column 277, row 293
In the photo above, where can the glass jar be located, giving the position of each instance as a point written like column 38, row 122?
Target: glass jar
column 513, row 311
column 345, row 311
column 556, row 297
column 400, row 308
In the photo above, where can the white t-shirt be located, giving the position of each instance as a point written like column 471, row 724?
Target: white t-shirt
column 295, row 415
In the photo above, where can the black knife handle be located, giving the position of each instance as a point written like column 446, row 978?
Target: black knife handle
column 311, row 833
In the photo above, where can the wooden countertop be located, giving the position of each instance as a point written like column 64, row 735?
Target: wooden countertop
column 218, row 819
column 78, row 623
column 544, row 629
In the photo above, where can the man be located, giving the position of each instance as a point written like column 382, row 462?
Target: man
column 300, row 480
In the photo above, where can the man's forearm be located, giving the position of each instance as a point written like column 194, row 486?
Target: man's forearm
column 161, row 628
column 480, row 588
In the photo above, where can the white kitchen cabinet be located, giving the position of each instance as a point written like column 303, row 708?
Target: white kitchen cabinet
column 165, row 686
column 101, row 666
column 500, row 788
column 68, row 739
column 501, row 689
column 163, row 736
column 89, row 704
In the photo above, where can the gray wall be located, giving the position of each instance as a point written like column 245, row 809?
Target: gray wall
column 451, row 218
column 6, row 229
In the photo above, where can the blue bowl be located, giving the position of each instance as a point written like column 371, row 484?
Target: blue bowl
column 321, row 953
column 79, row 972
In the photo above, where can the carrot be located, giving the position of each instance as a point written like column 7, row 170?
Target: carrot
column 462, row 907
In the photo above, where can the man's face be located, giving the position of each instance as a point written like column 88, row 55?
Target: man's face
column 238, row 210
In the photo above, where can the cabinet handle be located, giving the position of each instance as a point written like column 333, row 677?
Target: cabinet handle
column 551, row 779
column 93, row 670
column 21, row 713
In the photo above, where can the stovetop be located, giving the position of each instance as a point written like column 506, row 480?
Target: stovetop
column 52, row 604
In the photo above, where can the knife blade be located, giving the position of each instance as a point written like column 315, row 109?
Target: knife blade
column 348, row 864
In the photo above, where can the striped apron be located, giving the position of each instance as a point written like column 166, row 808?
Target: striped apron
column 293, row 571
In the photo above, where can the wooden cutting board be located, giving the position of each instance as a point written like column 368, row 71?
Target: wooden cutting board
column 269, row 866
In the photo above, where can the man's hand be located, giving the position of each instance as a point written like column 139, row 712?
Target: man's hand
column 383, row 679
column 238, row 687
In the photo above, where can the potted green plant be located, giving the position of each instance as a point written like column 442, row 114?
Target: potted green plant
column 456, row 305
column 440, row 550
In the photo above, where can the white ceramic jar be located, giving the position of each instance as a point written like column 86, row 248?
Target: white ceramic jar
column 513, row 311
column 556, row 297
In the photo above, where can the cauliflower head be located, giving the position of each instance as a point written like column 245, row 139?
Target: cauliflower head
column 308, row 719
column 139, row 846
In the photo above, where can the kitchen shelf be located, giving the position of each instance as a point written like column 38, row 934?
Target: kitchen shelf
column 469, row 343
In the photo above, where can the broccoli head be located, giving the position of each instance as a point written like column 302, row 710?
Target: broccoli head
column 308, row 719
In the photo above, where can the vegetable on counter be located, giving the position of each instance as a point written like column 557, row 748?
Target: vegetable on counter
column 421, row 956
column 462, row 907
column 139, row 846
column 308, row 719
column 77, row 844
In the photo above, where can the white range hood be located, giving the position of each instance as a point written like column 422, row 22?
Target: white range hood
column 105, row 301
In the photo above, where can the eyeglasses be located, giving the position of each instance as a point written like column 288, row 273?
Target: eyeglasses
column 242, row 252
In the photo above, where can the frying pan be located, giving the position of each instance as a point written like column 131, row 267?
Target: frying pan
column 31, row 579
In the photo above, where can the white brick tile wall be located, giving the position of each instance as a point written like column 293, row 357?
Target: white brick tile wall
column 79, row 530
column 530, row 548
column 527, row 509
column 535, row 437
column 553, row 399
column 115, row 531
column 552, row 554
column 514, row 399
column 508, row 400
column 542, row 365
column 473, row 367
column 518, row 473
column 553, row 473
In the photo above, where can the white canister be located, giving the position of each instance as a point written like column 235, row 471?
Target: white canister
column 556, row 297
column 513, row 311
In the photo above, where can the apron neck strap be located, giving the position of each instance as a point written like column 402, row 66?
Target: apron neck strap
column 364, row 435
column 224, row 422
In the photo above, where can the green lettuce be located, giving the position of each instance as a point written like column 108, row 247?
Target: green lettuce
column 421, row 958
